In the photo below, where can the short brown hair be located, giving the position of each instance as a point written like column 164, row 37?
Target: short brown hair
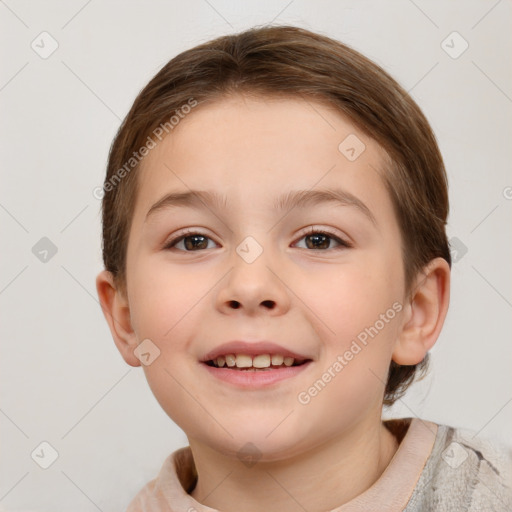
column 290, row 61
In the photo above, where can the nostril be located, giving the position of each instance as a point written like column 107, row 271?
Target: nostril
column 234, row 304
column 268, row 303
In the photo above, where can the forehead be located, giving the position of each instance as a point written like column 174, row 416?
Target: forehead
column 256, row 148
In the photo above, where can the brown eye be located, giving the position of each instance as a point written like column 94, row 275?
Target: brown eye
column 320, row 240
column 190, row 242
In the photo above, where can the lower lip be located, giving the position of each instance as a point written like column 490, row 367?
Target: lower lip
column 255, row 379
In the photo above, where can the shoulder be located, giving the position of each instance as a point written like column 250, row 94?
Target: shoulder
column 169, row 490
column 144, row 499
column 150, row 498
column 465, row 471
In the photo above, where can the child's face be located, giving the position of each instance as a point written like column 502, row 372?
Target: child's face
column 313, row 301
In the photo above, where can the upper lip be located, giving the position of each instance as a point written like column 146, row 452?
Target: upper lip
column 252, row 348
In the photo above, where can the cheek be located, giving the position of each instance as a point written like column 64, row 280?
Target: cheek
column 349, row 298
column 166, row 314
column 358, row 309
column 161, row 297
column 361, row 312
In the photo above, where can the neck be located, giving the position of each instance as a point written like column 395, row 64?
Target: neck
column 325, row 477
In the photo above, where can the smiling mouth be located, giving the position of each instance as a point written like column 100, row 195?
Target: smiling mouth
column 259, row 363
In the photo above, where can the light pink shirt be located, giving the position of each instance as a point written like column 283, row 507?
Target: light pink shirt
column 390, row 493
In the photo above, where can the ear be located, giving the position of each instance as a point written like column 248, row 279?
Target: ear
column 424, row 314
column 115, row 307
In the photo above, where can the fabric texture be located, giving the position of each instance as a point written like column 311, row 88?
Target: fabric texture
column 437, row 468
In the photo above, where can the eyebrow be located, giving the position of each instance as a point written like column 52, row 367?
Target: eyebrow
column 293, row 199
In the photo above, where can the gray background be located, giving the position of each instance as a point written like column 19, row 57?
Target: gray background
column 62, row 379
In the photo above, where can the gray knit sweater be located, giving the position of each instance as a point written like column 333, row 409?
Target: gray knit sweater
column 464, row 473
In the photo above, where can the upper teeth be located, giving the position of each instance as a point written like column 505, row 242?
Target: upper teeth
column 247, row 361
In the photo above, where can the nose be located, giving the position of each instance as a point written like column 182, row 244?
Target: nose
column 253, row 288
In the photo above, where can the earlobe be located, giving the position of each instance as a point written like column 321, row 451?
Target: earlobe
column 424, row 315
column 116, row 310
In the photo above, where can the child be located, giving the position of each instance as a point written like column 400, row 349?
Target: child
column 276, row 260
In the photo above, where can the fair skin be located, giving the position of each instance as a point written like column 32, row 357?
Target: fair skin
column 314, row 456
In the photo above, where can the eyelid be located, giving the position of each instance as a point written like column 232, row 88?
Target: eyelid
column 341, row 239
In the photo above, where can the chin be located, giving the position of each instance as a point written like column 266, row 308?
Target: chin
column 259, row 444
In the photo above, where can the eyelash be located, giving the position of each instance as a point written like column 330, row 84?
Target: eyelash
column 343, row 244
